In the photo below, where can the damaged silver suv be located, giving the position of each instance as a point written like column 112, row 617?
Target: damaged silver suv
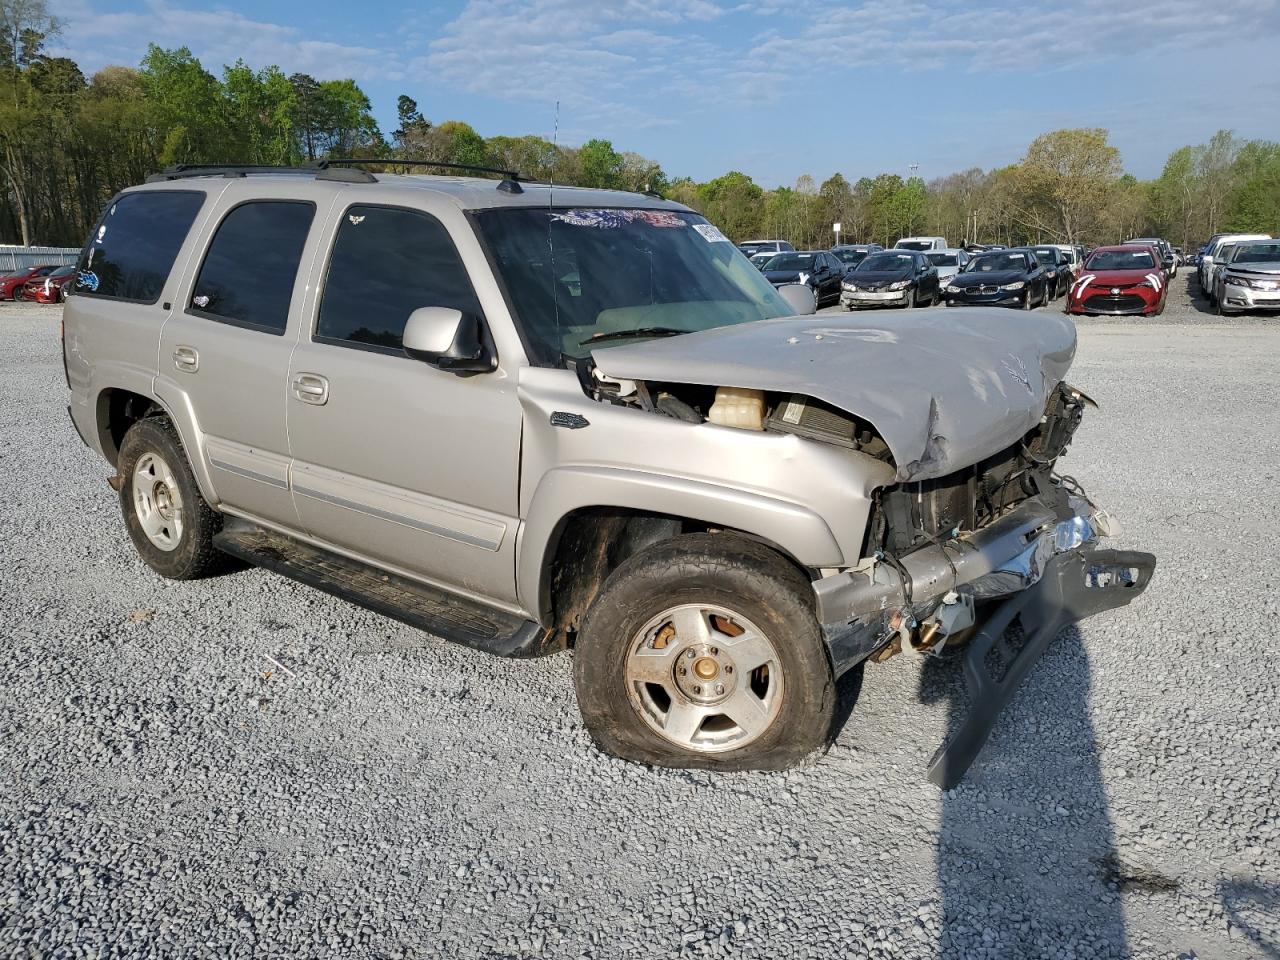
column 525, row 417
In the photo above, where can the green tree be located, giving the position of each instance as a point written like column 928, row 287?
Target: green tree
column 733, row 203
column 601, row 165
column 1064, row 183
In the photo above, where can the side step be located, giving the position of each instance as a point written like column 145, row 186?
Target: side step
column 435, row 611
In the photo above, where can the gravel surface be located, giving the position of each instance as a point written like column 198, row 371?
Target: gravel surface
column 244, row 766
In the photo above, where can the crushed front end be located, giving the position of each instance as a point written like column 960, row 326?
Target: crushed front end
column 954, row 561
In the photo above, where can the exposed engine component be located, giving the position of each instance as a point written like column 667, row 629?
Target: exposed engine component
column 736, row 407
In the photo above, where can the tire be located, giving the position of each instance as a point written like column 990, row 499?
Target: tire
column 173, row 535
column 911, row 299
column 716, row 584
column 1026, row 301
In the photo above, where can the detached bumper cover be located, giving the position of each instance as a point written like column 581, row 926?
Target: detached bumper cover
column 1075, row 585
column 1040, row 562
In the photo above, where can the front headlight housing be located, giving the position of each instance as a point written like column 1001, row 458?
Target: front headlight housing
column 900, row 285
column 1016, row 285
column 952, row 288
column 849, row 286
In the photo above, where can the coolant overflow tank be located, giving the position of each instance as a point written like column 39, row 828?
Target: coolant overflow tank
column 737, row 407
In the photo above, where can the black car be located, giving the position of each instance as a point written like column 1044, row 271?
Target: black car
column 852, row 254
column 817, row 268
column 1011, row 277
column 891, row 278
column 1057, row 270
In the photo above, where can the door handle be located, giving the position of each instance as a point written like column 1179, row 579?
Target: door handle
column 311, row 388
column 186, row 359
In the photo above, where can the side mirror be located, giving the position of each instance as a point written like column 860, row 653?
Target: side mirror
column 800, row 298
column 448, row 339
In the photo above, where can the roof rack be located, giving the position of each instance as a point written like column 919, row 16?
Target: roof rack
column 510, row 182
column 320, row 169
column 336, row 168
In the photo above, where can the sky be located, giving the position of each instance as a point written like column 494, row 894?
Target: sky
column 773, row 89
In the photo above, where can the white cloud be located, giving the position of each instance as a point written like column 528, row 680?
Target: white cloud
column 218, row 36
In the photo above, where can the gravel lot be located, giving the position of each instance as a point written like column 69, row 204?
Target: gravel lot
column 245, row 766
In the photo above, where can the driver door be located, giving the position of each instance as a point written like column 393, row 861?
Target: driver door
column 395, row 461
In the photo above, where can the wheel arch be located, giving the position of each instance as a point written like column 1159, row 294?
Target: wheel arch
column 583, row 522
column 116, row 409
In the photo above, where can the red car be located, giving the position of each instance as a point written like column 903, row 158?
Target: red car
column 1123, row 280
column 10, row 285
column 51, row 289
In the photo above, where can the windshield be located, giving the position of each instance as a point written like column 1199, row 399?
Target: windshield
column 885, row 263
column 574, row 274
column 914, row 245
column 1121, row 260
column 1046, row 257
column 1257, row 253
column 943, row 259
column 63, row 272
column 791, row 261
column 997, row 263
column 851, row 256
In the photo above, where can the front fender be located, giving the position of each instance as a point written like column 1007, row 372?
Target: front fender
column 792, row 528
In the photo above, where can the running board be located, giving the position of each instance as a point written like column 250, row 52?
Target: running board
column 438, row 612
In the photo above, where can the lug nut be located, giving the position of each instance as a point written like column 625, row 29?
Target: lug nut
column 697, row 689
column 719, row 689
column 683, row 671
column 715, row 651
column 728, row 668
column 691, row 654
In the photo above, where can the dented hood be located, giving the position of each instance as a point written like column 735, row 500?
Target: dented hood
column 944, row 388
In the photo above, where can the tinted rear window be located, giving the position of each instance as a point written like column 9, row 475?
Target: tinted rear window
column 248, row 274
column 135, row 243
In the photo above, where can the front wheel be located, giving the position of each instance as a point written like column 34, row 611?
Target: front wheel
column 704, row 651
column 911, row 298
column 169, row 522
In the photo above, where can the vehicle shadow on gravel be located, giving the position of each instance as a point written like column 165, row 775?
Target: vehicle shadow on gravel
column 1026, row 860
column 1254, row 910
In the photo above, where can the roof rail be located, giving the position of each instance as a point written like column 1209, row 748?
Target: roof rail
column 320, row 169
column 510, row 182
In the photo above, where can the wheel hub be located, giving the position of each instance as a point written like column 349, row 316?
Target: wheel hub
column 705, row 673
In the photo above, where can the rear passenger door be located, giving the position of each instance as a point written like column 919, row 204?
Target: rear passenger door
column 224, row 352
column 395, row 461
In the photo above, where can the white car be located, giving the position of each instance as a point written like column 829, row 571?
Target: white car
column 923, row 244
column 1205, row 271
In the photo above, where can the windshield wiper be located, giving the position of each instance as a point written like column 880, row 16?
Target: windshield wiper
column 627, row 334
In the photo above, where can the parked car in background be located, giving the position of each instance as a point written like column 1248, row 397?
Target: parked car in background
column 852, row 254
column 984, row 247
column 1204, row 270
column 1126, row 279
column 818, row 269
column 891, row 278
column 1249, row 279
column 921, row 243
column 1167, row 258
column 758, row 260
column 752, row 247
column 1058, row 276
column 1012, row 278
column 51, row 289
column 948, row 262
column 10, row 285
column 1074, row 255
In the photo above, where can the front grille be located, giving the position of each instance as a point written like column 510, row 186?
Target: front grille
column 1120, row 302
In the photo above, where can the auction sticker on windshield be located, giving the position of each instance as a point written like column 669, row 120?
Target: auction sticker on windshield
column 710, row 233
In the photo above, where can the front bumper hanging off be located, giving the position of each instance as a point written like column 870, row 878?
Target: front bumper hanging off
column 1074, row 585
column 1039, row 564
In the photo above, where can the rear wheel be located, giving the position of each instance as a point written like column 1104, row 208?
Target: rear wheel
column 704, row 651
column 169, row 522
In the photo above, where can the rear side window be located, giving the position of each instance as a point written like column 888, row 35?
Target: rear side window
column 135, row 243
column 386, row 263
column 248, row 274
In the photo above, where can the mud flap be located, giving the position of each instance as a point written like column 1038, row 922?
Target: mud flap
column 1074, row 586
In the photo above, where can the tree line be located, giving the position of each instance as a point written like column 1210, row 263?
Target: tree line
column 68, row 142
